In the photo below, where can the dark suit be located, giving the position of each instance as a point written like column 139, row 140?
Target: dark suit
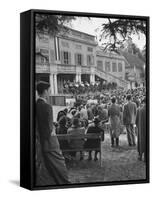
column 129, row 117
column 52, row 156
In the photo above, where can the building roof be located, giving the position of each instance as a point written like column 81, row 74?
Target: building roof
column 109, row 54
column 133, row 60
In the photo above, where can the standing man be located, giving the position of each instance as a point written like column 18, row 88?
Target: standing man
column 114, row 116
column 51, row 153
column 141, row 125
column 129, row 117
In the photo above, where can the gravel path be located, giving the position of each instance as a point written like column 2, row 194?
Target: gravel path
column 118, row 164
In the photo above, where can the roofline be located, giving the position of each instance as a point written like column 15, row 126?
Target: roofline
column 80, row 32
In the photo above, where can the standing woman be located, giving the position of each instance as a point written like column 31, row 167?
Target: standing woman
column 114, row 116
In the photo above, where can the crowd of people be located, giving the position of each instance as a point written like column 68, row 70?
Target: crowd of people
column 77, row 88
column 118, row 108
column 122, row 111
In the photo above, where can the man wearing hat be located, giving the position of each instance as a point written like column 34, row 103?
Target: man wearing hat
column 51, row 153
column 129, row 117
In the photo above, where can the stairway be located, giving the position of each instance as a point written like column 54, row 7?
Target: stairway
column 111, row 78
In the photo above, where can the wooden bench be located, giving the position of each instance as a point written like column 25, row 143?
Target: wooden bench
column 93, row 136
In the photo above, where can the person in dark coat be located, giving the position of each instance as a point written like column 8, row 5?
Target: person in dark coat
column 62, row 129
column 141, row 125
column 93, row 143
column 129, row 117
column 76, row 129
column 51, row 153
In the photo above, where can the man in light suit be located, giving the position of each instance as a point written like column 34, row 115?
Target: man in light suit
column 129, row 117
column 51, row 153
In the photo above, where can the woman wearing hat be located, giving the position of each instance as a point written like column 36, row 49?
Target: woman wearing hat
column 76, row 129
column 94, row 143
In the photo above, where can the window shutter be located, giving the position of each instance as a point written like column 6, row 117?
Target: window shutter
column 62, row 57
column 76, row 61
column 69, row 58
column 52, row 55
column 92, row 57
column 82, row 59
column 88, row 60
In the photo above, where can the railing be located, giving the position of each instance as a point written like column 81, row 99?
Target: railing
column 73, row 69
column 64, row 69
column 42, row 68
column 85, row 70
column 110, row 77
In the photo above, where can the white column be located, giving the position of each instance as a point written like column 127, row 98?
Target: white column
column 93, row 78
column 55, row 84
column 51, row 83
column 78, row 78
column 90, row 78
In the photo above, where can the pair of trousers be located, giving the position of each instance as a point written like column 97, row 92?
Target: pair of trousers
column 113, row 139
column 130, row 134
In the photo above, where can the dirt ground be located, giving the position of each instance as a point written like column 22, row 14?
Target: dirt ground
column 119, row 164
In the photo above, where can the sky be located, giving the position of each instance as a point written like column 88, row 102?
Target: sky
column 83, row 24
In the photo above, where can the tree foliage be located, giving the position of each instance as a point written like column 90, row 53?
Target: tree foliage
column 52, row 24
column 116, row 31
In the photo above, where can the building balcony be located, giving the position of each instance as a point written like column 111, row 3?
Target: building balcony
column 73, row 69
column 85, row 70
column 64, row 69
column 42, row 68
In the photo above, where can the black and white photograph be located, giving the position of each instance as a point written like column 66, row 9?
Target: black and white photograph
column 90, row 75
column 76, row 93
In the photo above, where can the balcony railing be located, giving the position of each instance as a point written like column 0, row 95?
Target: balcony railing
column 85, row 70
column 64, row 69
column 42, row 68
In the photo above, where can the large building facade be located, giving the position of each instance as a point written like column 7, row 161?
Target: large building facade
column 75, row 56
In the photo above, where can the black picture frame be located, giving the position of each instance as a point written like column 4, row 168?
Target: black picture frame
column 27, row 99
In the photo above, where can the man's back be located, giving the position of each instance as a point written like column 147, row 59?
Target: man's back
column 129, row 114
column 45, row 126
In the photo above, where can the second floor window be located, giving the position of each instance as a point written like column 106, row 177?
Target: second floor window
column 78, row 59
column 119, row 67
column 90, row 49
column 100, row 64
column 66, row 57
column 114, row 67
column 107, row 66
column 44, row 59
column 90, row 59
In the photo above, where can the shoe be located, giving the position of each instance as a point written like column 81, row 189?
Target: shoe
column 89, row 159
column 95, row 159
column 81, row 158
column 140, row 158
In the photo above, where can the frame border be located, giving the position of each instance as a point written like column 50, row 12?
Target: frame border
column 27, row 99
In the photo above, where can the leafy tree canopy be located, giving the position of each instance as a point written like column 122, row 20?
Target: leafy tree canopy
column 116, row 31
column 52, row 24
